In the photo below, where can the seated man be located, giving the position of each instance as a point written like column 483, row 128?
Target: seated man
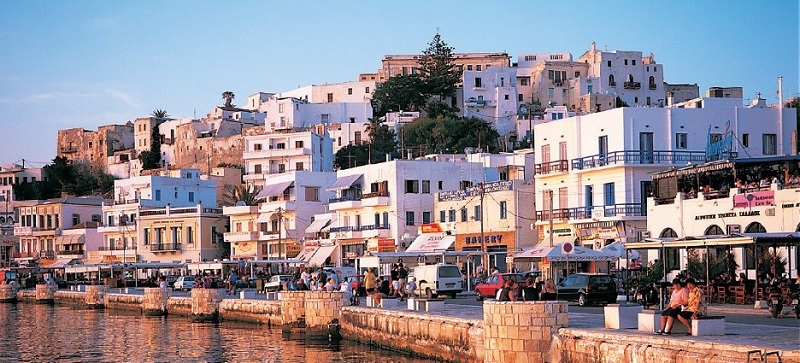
column 695, row 307
column 678, row 298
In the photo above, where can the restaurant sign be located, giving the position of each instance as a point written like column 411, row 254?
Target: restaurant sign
column 756, row 199
column 473, row 191
column 718, row 146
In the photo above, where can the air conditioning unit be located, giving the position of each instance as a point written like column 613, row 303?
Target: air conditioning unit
column 644, row 234
column 734, row 228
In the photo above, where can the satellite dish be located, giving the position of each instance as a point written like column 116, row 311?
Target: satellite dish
column 240, row 203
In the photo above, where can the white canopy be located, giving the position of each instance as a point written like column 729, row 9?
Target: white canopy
column 318, row 225
column 554, row 254
column 322, row 254
column 274, row 189
column 344, row 182
column 617, row 249
column 431, row 242
column 306, row 253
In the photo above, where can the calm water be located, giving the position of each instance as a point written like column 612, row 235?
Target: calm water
column 44, row 333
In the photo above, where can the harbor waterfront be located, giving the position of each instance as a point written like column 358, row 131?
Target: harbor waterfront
column 493, row 332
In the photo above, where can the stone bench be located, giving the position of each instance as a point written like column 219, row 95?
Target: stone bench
column 387, row 303
column 429, row 305
column 650, row 321
column 621, row 316
column 271, row 295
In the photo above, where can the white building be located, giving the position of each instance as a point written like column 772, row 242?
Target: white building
column 345, row 92
column 282, row 152
column 636, row 80
column 491, row 95
column 290, row 113
column 351, row 133
column 593, row 170
column 11, row 175
column 386, row 203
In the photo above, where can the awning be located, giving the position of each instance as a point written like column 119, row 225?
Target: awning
column 322, row 254
column 60, row 263
column 556, row 254
column 274, row 189
column 70, row 239
column 318, row 225
column 768, row 239
column 306, row 253
column 344, row 182
column 264, row 217
column 431, row 242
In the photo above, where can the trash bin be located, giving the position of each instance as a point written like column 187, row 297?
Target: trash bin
column 259, row 285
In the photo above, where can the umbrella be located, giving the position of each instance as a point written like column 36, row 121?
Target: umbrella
column 555, row 254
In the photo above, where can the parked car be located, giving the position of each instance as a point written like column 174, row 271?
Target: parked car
column 433, row 280
column 184, row 283
column 276, row 282
column 357, row 284
column 586, row 288
column 493, row 283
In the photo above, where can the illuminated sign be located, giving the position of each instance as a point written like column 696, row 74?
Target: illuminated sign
column 716, row 149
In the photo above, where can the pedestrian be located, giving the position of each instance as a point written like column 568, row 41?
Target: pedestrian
column 232, row 282
column 369, row 281
column 549, row 291
column 529, row 291
column 679, row 297
column 411, row 287
column 512, row 269
column 305, row 276
column 397, row 289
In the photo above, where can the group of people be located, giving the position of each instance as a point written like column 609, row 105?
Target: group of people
column 399, row 285
column 532, row 290
column 685, row 303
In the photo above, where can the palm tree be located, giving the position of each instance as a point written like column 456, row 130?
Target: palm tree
column 159, row 113
column 228, row 96
column 240, row 193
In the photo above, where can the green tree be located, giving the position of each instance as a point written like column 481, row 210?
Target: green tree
column 438, row 69
column 438, row 109
column 382, row 141
column 351, row 156
column 160, row 114
column 228, row 96
column 152, row 159
column 67, row 177
column 399, row 93
column 244, row 192
column 449, row 135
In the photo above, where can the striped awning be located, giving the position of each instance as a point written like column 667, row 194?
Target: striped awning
column 344, row 182
column 274, row 189
column 318, row 225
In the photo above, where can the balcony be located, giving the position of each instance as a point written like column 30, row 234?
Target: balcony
column 68, row 149
column 285, row 205
column 632, row 85
column 365, row 231
column 241, row 236
column 614, row 210
column 165, row 247
column 345, row 202
column 271, row 235
column 276, row 153
column 624, row 210
column 22, row 231
column 70, row 253
column 375, row 199
column 653, row 87
column 638, row 157
column 558, row 82
column 552, row 167
column 472, row 102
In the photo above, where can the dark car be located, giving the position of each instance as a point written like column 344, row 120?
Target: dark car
column 488, row 288
column 588, row 288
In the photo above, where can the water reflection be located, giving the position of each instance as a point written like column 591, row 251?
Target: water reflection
column 67, row 334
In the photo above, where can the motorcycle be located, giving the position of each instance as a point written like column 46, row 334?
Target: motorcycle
column 775, row 302
column 795, row 299
column 646, row 296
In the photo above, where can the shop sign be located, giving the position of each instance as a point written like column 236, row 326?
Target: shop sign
column 381, row 245
column 456, row 195
column 757, row 199
column 350, row 255
column 292, row 249
column 489, row 238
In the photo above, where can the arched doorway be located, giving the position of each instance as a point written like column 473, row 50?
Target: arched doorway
column 713, row 230
column 755, row 227
column 667, row 233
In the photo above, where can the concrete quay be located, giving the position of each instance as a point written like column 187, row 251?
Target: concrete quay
column 493, row 332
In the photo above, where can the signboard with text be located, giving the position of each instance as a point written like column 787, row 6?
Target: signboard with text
column 756, row 199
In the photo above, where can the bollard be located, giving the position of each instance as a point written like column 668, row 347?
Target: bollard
column 95, row 297
column 45, row 293
column 521, row 331
column 8, row 293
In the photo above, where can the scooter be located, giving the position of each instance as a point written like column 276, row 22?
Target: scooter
column 775, row 303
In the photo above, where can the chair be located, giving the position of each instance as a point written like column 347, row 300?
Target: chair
column 720, row 296
column 738, row 295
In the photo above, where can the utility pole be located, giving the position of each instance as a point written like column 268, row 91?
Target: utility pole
column 280, row 228
column 483, row 241
column 550, row 215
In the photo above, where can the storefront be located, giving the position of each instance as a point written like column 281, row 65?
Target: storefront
column 498, row 244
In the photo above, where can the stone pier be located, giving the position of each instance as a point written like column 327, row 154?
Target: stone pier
column 323, row 310
column 96, row 296
column 8, row 293
column 293, row 311
column 155, row 301
column 45, row 293
column 205, row 304
column 521, row 331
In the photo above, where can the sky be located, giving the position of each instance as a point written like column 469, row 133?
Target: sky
column 69, row 64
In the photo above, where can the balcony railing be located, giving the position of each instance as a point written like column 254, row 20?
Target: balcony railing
column 341, row 229
column 375, row 195
column 653, row 87
column 367, row 227
column 633, row 85
column 163, row 247
column 348, row 198
column 544, row 215
column 614, row 210
column 114, row 248
column 625, row 209
column 641, row 157
column 70, row 252
column 552, row 167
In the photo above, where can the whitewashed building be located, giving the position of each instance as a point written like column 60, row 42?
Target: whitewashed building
column 356, row 91
column 636, row 80
column 592, row 171
column 282, row 152
column 491, row 95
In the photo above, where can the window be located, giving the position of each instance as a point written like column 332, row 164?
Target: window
column 324, row 117
column 298, row 166
column 298, row 144
column 357, row 137
column 636, row 100
column 608, row 193
column 426, row 187
column 609, row 63
column 769, row 144
column 477, row 212
column 530, row 58
column 441, row 184
column 478, row 67
column 524, row 81
column 746, row 140
column 366, row 89
column 562, row 150
column 256, row 169
column 451, row 215
column 312, row 194
column 563, row 198
column 409, row 218
column 281, row 168
column 176, row 194
column 680, row 140
column 412, row 186
column 506, row 97
column 478, row 82
column 349, row 91
column 503, row 210
column 158, row 194
column 588, row 196
column 330, row 97
column 281, row 107
column 626, row 62
column 189, row 235
column 519, row 97
column 442, row 216
column 577, row 74
column 634, row 61
column 426, row 217
column 550, row 93
column 469, row 67
column 76, row 219
column 464, row 214
column 611, row 82
column 146, row 236
column 191, row 196
column 257, row 147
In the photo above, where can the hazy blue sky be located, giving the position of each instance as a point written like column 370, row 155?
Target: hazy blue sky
column 66, row 64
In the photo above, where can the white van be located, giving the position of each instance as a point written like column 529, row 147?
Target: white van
column 433, row 280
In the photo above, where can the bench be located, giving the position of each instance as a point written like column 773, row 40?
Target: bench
column 621, row 316
column 650, row 321
column 271, row 295
column 412, row 303
column 429, row 305
column 387, row 303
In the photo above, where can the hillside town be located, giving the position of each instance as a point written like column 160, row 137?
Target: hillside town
column 594, row 151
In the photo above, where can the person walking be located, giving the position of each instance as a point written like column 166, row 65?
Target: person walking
column 232, row 282
column 369, row 281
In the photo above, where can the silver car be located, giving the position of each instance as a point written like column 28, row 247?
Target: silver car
column 183, row 283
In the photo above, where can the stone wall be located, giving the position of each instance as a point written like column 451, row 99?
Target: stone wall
column 45, row 293
column 70, row 298
column 521, row 331
column 8, row 293
column 26, row 295
column 253, row 311
column 583, row 346
column 179, row 306
column 155, row 301
column 96, row 296
column 205, row 304
column 438, row 337
column 293, row 310
column 124, row 302
column 322, row 310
